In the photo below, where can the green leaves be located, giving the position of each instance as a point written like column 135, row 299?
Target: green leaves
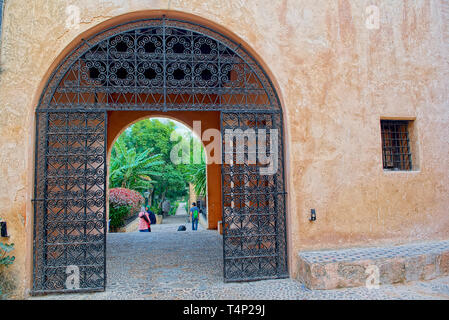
column 152, row 133
column 5, row 248
column 117, row 215
column 132, row 170
column 197, row 174
column 140, row 160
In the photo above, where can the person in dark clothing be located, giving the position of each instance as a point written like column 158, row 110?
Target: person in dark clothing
column 194, row 215
column 152, row 215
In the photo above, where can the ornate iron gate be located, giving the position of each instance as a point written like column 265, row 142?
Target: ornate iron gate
column 254, row 238
column 70, row 202
column 152, row 64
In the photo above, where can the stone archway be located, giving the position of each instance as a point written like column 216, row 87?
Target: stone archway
column 162, row 65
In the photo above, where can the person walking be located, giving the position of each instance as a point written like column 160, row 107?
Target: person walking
column 194, row 216
column 151, row 215
column 144, row 221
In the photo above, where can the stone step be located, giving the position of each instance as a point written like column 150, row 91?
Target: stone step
column 332, row 269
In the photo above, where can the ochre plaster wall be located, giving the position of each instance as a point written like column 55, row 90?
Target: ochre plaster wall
column 336, row 80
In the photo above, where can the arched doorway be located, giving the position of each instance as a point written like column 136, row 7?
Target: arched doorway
column 164, row 65
column 118, row 121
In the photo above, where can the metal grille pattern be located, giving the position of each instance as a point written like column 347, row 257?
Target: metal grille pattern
column 152, row 64
column 253, row 203
column 165, row 64
column 396, row 145
column 70, row 201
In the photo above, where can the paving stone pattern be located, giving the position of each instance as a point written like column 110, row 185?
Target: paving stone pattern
column 167, row 264
column 374, row 253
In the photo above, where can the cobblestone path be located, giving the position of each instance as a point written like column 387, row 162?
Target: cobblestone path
column 167, row 264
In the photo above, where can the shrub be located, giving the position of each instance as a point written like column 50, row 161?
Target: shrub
column 156, row 210
column 5, row 261
column 122, row 204
column 122, row 197
column 174, row 208
column 118, row 215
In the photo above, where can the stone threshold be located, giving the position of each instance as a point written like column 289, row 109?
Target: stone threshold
column 356, row 267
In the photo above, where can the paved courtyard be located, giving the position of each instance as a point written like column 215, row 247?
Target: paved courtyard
column 167, row 264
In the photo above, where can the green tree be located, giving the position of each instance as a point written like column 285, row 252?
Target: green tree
column 197, row 176
column 171, row 184
column 152, row 133
column 169, row 180
column 157, row 134
column 133, row 170
column 195, row 172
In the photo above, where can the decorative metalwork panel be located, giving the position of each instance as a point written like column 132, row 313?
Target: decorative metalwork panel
column 151, row 64
column 70, row 203
column 253, row 197
column 162, row 64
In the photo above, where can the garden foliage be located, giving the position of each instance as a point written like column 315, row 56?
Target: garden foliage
column 122, row 204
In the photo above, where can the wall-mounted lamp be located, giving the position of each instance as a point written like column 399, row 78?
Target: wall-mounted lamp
column 3, row 230
column 312, row 215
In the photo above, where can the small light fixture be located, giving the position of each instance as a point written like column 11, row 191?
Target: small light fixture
column 312, row 215
column 3, row 230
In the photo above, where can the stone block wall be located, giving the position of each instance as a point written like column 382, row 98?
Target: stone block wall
column 359, row 266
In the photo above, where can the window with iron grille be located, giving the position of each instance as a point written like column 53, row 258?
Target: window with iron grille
column 396, row 152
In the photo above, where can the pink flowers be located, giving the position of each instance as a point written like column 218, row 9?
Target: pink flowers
column 119, row 197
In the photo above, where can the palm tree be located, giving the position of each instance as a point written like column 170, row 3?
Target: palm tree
column 197, row 173
column 131, row 170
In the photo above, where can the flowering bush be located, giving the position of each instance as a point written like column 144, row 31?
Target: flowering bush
column 122, row 197
column 122, row 204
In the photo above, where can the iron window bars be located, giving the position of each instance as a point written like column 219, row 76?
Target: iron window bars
column 396, row 152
